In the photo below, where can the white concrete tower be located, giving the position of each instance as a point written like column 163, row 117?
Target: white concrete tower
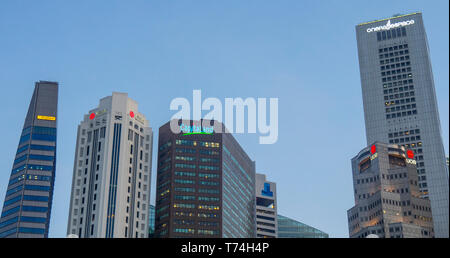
column 112, row 170
column 266, row 207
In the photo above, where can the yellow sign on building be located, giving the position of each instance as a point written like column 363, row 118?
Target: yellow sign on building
column 49, row 118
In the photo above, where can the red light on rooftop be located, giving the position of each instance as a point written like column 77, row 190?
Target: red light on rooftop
column 373, row 149
column 132, row 114
column 410, row 154
column 92, row 116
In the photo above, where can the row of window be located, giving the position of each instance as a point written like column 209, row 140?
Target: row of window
column 191, row 231
column 22, row 219
column 192, row 166
column 391, row 34
column 193, row 174
column 30, row 178
column 393, row 48
column 33, row 198
column 402, row 133
column 206, row 183
column 27, row 187
column 34, row 157
column 400, row 108
column 31, row 167
column 394, row 53
column 197, row 143
column 35, row 147
column 395, row 60
column 193, row 206
column 401, row 114
column 192, row 214
column 398, row 77
column 397, row 99
column 395, row 71
column 192, row 222
column 190, row 158
column 194, row 151
column 24, row 208
column 22, row 230
column 398, row 89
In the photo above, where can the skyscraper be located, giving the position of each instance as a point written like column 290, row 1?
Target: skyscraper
column 151, row 221
column 266, row 207
column 388, row 202
column 400, row 104
column 205, row 184
column 28, row 200
column 290, row 228
column 111, row 177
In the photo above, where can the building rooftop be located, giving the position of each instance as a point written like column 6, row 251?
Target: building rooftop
column 394, row 17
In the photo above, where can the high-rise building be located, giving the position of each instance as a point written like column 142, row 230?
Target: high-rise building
column 205, row 183
column 290, row 228
column 112, row 169
column 151, row 221
column 448, row 164
column 28, row 200
column 400, row 104
column 388, row 202
column 266, row 207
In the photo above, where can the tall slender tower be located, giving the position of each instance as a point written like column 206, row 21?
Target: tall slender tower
column 400, row 104
column 111, row 177
column 28, row 201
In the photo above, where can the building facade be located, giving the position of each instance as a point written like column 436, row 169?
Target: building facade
column 151, row 221
column 205, row 184
column 28, row 201
column 400, row 104
column 290, row 228
column 266, row 207
column 112, row 169
column 388, row 201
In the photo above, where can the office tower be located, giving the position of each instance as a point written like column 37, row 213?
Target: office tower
column 266, row 207
column 290, row 228
column 205, row 183
column 28, row 201
column 388, row 202
column 448, row 164
column 112, row 169
column 400, row 104
column 151, row 221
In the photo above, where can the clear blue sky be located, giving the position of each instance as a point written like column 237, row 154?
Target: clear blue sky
column 303, row 52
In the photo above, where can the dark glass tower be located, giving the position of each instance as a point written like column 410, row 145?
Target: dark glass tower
column 28, row 200
column 205, row 184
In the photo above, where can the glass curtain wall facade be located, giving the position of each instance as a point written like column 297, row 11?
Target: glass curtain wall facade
column 151, row 221
column 205, row 185
column 290, row 228
column 28, row 201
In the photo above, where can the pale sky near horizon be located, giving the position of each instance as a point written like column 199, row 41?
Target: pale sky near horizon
column 301, row 52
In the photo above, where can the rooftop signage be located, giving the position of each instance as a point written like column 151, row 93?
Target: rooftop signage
column 97, row 113
column 266, row 191
column 410, row 159
column 390, row 25
column 194, row 129
column 139, row 118
column 373, row 151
